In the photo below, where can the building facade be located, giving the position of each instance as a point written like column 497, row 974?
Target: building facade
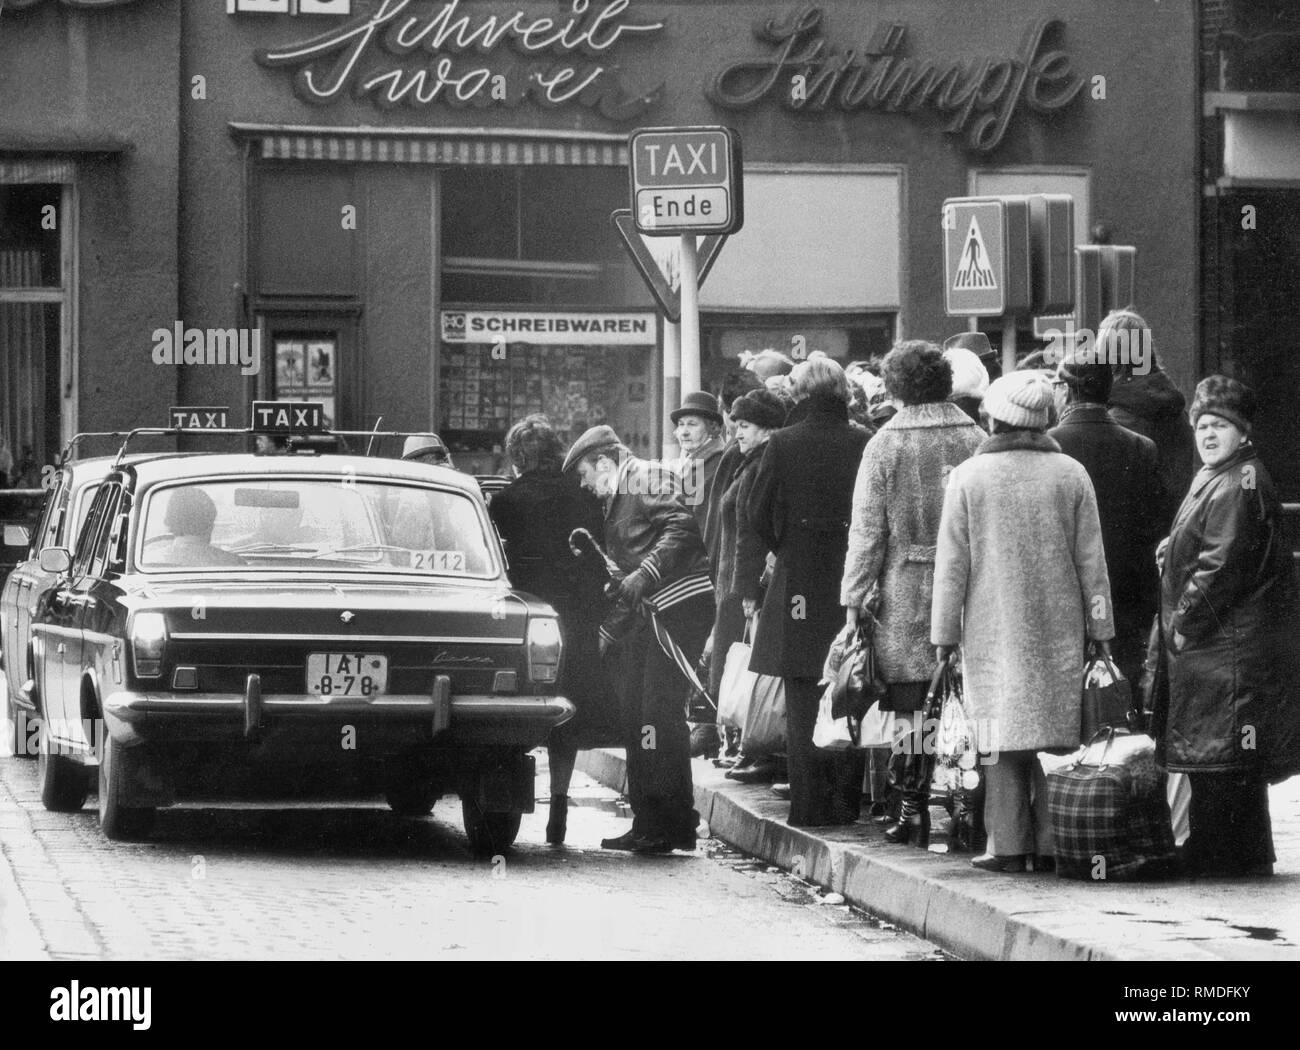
column 402, row 207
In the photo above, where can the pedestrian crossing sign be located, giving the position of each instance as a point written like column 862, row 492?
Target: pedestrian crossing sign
column 974, row 271
column 975, row 256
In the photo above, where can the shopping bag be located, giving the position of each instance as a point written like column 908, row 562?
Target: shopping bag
column 736, row 689
column 874, row 729
column 764, row 731
column 1109, row 812
column 1107, row 697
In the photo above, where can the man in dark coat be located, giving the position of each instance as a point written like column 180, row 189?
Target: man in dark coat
column 801, row 506
column 1123, row 468
column 1144, row 399
column 697, row 425
column 652, row 537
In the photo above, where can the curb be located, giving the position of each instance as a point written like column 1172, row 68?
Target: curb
column 937, row 896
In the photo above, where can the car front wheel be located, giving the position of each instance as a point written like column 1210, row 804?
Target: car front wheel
column 119, row 822
column 64, row 784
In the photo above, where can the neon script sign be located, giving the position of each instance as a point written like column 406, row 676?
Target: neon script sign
column 803, row 74
column 399, row 54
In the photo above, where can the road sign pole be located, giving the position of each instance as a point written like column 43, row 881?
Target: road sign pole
column 690, row 316
column 1008, row 345
column 672, row 386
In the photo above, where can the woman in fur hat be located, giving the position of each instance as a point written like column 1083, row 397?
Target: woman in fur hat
column 1230, row 717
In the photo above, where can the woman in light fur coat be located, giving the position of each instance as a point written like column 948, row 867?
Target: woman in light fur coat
column 896, row 507
column 1019, row 581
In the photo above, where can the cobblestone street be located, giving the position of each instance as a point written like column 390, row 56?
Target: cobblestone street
column 357, row 882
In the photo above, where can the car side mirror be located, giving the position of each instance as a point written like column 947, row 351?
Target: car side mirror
column 56, row 560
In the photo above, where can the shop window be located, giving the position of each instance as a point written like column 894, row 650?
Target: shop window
column 306, row 233
column 845, row 338
column 35, row 229
column 534, row 235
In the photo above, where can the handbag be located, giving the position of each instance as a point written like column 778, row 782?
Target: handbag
column 1107, row 696
column 856, row 683
column 1109, row 812
column 736, row 689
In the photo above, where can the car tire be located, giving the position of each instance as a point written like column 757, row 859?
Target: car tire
column 489, row 833
column 119, row 822
column 64, row 783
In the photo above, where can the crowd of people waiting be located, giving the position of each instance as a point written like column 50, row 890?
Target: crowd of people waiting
column 1010, row 521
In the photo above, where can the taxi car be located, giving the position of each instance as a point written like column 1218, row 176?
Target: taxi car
column 66, row 500
column 291, row 622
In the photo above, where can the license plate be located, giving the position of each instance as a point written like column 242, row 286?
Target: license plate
column 347, row 674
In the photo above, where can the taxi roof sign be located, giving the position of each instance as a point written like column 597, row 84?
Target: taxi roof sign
column 199, row 417
column 288, row 417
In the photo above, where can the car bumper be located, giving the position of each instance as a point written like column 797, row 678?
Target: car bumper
column 452, row 720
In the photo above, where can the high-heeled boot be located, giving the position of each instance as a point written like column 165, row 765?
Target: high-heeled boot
column 557, row 824
column 913, row 821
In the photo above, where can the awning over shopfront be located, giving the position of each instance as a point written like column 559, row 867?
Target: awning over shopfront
column 434, row 145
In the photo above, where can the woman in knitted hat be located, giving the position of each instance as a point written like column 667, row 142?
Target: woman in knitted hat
column 896, row 505
column 1230, row 718
column 1019, row 581
column 741, row 554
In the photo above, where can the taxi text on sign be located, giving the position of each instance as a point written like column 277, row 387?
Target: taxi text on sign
column 986, row 256
column 686, row 180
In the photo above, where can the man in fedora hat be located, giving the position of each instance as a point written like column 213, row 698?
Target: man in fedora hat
column 978, row 344
column 652, row 537
column 698, row 428
column 427, row 448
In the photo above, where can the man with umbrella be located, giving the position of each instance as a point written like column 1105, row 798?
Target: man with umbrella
column 663, row 611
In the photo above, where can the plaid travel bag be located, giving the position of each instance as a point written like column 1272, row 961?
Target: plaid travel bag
column 1109, row 814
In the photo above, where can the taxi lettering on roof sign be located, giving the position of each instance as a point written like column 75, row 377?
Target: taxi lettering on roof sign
column 199, row 417
column 686, row 180
column 288, row 417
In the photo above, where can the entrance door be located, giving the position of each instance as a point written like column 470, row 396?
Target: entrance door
column 313, row 357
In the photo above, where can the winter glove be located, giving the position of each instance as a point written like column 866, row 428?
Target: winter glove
column 633, row 588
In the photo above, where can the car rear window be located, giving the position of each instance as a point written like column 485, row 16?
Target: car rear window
column 290, row 525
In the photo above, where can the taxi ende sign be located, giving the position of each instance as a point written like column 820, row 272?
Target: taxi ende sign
column 549, row 329
column 409, row 52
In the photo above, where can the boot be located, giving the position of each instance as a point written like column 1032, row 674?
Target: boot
column 913, row 821
column 557, row 824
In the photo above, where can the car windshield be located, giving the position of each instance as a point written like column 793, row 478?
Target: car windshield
column 295, row 524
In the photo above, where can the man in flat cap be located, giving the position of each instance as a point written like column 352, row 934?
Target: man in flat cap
column 653, row 538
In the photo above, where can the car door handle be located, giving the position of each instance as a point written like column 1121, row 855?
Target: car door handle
column 60, row 648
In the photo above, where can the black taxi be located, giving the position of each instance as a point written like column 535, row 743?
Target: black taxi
column 243, row 624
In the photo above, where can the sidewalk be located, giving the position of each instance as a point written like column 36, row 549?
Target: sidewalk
column 1023, row 917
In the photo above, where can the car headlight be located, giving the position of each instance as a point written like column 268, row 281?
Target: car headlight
column 544, row 646
column 148, row 639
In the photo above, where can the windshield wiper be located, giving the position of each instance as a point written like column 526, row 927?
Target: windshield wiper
column 364, row 547
column 267, row 548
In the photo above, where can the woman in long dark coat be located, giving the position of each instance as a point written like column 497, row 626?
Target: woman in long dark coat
column 535, row 514
column 1230, row 719
column 801, row 506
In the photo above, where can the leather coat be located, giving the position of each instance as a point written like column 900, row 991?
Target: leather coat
column 1228, row 590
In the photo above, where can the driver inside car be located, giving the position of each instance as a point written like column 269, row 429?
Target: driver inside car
column 190, row 517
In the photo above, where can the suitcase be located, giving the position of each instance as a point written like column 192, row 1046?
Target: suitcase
column 1109, row 813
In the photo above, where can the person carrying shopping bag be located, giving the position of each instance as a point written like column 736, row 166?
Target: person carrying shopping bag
column 897, row 503
column 1020, row 583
